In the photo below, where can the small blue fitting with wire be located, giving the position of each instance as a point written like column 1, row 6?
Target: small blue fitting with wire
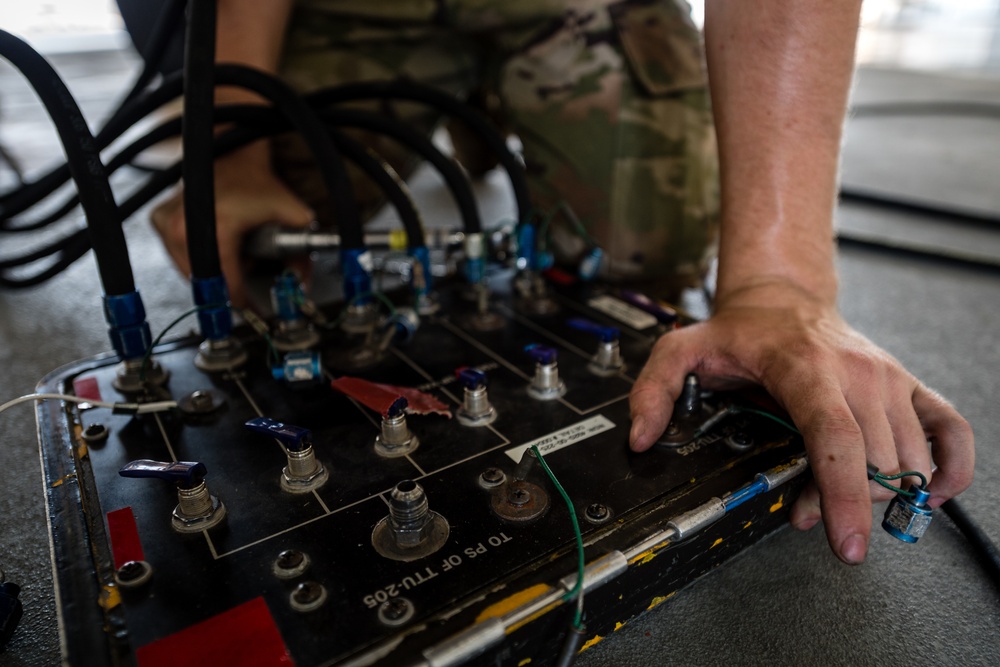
column 127, row 326
column 285, row 297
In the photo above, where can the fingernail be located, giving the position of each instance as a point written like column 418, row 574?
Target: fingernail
column 852, row 549
column 638, row 429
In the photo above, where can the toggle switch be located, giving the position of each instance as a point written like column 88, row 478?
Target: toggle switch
column 396, row 438
column 689, row 417
column 545, row 385
column 304, row 472
column 197, row 509
column 607, row 361
column 476, row 409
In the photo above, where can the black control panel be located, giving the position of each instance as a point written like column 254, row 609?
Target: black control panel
column 279, row 518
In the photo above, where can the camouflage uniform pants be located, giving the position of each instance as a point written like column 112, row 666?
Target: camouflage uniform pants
column 608, row 99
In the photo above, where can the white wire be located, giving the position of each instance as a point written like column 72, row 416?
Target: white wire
column 137, row 408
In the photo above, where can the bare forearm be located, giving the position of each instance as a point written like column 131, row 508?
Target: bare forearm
column 779, row 74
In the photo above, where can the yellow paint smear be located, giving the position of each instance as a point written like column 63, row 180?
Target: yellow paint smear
column 619, row 625
column 526, row 661
column 60, row 482
column 657, row 601
column 82, row 451
column 649, row 554
column 747, row 525
column 778, row 505
column 110, row 597
column 591, row 642
column 716, row 543
column 509, row 604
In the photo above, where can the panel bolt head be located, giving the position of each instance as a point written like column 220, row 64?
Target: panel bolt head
column 597, row 512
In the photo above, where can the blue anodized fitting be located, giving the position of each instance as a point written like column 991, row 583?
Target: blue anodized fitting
column 356, row 264
column 526, row 247
column 422, row 255
column 211, row 296
column 285, row 295
column 907, row 519
column 127, row 326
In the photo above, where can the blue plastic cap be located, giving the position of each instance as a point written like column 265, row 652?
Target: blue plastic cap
column 526, row 246
column 298, row 367
column 212, row 296
column 475, row 270
column 542, row 354
column 590, row 264
column 398, row 407
column 183, row 473
column 471, row 378
column 293, row 437
column 606, row 334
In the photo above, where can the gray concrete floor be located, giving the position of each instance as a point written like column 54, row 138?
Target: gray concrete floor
column 786, row 601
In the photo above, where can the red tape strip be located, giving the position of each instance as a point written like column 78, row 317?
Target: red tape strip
column 86, row 387
column 379, row 397
column 124, row 535
column 245, row 635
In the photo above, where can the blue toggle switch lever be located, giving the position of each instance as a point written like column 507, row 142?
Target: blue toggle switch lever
column 606, row 334
column 186, row 474
column 471, row 378
column 542, row 354
column 397, row 408
column 294, row 438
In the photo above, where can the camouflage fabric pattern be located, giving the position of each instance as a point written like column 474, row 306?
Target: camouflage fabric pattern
column 608, row 99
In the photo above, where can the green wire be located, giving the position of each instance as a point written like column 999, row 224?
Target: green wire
column 790, row 427
column 156, row 341
column 577, row 590
column 879, row 478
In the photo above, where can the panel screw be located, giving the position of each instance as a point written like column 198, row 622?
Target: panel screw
column 131, row 571
column 290, row 559
column 672, row 429
column 739, row 441
column 395, row 611
column 307, row 596
column 492, row 477
column 201, row 400
column 95, row 433
column 519, row 497
column 597, row 512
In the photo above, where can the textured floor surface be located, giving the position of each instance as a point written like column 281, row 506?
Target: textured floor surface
column 786, row 601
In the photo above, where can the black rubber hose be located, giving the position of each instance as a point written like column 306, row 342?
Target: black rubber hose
column 447, row 105
column 986, row 551
column 308, row 124
column 266, row 122
column 84, row 163
column 452, row 174
column 198, row 129
column 19, row 200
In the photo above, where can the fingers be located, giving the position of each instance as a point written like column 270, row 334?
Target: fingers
column 836, row 448
column 652, row 398
column 806, row 511
column 952, row 445
column 168, row 221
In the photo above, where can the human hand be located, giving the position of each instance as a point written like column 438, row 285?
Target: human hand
column 247, row 195
column 851, row 400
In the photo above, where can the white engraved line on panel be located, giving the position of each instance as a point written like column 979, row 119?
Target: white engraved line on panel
column 166, row 440
column 503, row 361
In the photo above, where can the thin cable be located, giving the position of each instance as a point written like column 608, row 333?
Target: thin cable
column 121, row 408
column 577, row 590
column 984, row 547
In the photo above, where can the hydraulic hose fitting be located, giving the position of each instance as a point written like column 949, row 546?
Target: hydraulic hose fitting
column 212, row 298
column 127, row 326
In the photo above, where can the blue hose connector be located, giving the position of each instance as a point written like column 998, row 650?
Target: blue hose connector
column 356, row 264
column 211, row 296
column 526, row 247
column 127, row 326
